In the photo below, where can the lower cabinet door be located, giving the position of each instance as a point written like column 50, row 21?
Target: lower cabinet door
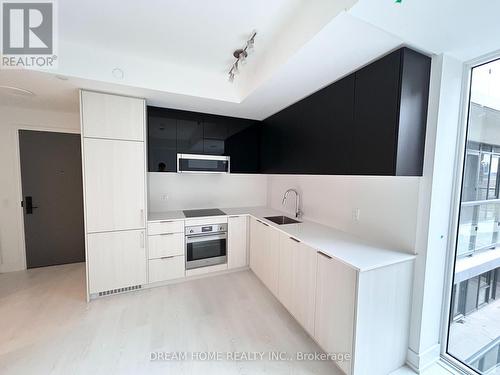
column 237, row 242
column 116, row 260
column 256, row 241
column 169, row 268
column 265, row 254
column 304, row 286
column 287, row 250
column 271, row 258
column 335, row 308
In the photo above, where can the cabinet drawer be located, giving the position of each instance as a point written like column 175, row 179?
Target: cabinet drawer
column 163, row 269
column 166, row 244
column 168, row 226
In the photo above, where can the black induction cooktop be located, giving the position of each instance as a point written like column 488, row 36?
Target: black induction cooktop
column 204, row 212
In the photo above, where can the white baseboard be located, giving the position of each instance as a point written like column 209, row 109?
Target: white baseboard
column 420, row 361
column 201, row 275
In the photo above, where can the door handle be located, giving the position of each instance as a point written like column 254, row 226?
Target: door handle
column 28, row 203
column 263, row 223
column 143, row 240
column 325, row 255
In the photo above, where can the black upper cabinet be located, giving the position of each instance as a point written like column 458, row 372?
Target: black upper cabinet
column 243, row 145
column 162, row 141
column 371, row 122
column 390, row 115
column 189, row 134
column 375, row 117
column 313, row 136
column 173, row 131
column 214, row 135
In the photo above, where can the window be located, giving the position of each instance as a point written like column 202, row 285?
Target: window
column 474, row 324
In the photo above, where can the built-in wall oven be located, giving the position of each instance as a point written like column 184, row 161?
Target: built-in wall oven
column 206, row 245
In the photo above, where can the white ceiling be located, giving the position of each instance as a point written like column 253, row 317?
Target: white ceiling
column 177, row 53
column 198, row 34
column 464, row 29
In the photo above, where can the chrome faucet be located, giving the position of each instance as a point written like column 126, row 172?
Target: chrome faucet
column 298, row 212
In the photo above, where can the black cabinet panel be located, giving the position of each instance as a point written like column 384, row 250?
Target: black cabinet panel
column 162, row 142
column 214, row 135
column 376, row 117
column 243, row 146
column 313, row 136
column 189, row 136
column 414, row 98
column 390, row 115
column 329, row 123
column 215, row 127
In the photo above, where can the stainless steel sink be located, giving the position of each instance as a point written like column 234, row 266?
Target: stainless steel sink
column 280, row 220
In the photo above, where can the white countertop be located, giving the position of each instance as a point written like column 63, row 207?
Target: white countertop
column 347, row 248
column 166, row 215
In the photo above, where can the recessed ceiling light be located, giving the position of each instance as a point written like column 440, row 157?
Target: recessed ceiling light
column 16, row 91
column 117, row 73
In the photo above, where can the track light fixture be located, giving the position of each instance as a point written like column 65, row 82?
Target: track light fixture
column 241, row 55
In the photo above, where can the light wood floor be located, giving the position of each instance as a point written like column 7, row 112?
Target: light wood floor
column 46, row 327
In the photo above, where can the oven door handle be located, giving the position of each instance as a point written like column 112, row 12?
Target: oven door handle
column 193, row 239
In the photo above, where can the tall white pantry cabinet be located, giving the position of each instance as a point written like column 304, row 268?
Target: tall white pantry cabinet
column 114, row 178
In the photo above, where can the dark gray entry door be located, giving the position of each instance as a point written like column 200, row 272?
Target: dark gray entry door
column 51, row 173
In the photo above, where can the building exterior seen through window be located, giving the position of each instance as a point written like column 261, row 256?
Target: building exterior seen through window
column 474, row 330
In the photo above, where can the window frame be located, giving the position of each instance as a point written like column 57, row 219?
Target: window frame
column 460, row 158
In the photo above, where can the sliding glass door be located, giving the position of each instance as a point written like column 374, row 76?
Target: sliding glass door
column 474, row 320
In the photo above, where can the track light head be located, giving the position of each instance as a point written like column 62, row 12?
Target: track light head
column 241, row 55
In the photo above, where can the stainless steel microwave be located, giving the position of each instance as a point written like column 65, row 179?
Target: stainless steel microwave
column 194, row 163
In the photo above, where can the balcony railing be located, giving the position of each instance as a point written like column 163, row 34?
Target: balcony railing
column 479, row 226
column 487, row 360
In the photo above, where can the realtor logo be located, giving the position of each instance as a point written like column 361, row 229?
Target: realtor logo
column 28, row 34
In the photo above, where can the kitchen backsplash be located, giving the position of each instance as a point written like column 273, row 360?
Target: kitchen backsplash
column 177, row 191
column 386, row 206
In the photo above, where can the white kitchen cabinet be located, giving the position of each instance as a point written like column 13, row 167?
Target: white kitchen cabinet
column 112, row 116
column 166, row 226
column 287, row 249
column 114, row 170
column 272, row 258
column 297, row 280
column 264, row 254
column 383, row 311
column 166, row 268
column 165, row 245
column 355, row 309
column 116, row 260
column 255, row 244
column 335, row 307
column 237, row 241
column 304, row 286
column 114, row 185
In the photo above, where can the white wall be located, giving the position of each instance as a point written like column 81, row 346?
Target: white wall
column 12, row 256
column 177, row 191
column 388, row 205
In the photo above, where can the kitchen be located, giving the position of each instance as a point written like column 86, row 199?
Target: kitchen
column 297, row 260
